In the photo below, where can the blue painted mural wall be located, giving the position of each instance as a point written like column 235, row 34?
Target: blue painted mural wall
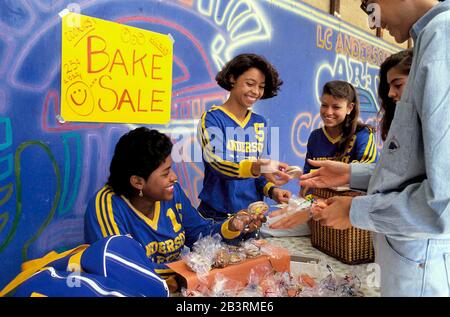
column 49, row 170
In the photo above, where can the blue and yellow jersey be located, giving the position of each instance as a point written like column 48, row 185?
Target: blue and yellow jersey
column 175, row 223
column 228, row 147
column 321, row 146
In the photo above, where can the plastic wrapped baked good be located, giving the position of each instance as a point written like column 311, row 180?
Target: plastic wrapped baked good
column 222, row 258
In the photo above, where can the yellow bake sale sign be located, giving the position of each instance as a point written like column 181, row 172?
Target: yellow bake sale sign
column 112, row 72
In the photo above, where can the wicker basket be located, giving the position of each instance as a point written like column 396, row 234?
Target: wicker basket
column 350, row 246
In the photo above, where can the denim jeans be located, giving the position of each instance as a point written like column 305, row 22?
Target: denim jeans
column 413, row 267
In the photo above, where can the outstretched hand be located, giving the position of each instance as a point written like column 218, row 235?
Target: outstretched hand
column 329, row 174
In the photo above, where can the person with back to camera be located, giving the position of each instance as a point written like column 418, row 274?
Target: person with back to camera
column 234, row 141
column 143, row 199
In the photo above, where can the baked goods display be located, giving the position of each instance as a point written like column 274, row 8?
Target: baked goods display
column 220, row 255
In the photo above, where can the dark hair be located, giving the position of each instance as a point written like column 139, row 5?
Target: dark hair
column 344, row 90
column 243, row 62
column 138, row 152
column 401, row 60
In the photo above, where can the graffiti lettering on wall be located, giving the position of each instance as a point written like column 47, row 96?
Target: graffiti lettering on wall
column 242, row 23
column 346, row 44
column 355, row 61
column 20, row 205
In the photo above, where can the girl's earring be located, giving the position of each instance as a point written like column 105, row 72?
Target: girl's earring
column 140, row 193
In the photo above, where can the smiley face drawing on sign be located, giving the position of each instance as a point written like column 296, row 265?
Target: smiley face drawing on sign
column 80, row 99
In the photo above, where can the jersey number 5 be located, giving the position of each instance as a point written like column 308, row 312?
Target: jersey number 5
column 259, row 131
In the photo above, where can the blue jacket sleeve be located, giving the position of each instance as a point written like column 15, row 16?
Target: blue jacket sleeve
column 263, row 185
column 307, row 167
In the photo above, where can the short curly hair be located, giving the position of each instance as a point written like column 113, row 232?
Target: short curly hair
column 243, row 62
column 138, row 152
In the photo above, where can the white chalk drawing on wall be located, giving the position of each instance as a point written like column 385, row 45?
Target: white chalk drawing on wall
column 243, row 21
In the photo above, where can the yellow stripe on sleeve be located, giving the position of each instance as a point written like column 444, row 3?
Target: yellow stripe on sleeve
column 373, row 155
column 111, row 214
column 164, row 271
column 220, row 168
column 245, row 169
column 227, row 233
column 368, row 148
column 105, row 214
column 222, row 171
column 98, row 211
column 267, row 187
column 207, row 146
